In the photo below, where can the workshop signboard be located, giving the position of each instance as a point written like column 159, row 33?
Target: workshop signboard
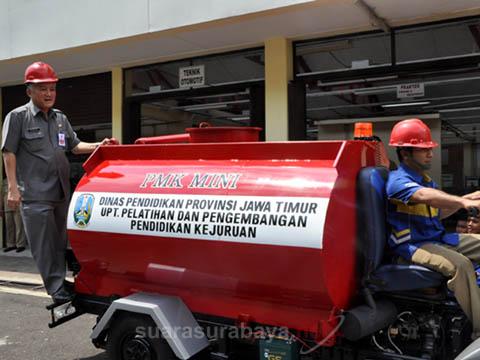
column 191, row 76
column 410, row 90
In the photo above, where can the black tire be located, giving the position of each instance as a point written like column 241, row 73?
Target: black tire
column 136, row 337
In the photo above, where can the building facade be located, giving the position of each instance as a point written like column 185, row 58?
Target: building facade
column 298, row 69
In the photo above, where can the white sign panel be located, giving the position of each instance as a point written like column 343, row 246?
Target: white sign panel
column 191, row 76
column 410, row 90
column 282, row 221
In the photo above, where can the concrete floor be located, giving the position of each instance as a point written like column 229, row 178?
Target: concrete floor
column 24, row 332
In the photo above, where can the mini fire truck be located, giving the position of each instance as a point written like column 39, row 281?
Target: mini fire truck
column 213, row 245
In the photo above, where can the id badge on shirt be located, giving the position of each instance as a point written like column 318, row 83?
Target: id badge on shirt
column 61, row 139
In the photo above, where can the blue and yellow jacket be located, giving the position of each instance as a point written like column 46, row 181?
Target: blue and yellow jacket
column 412, row 225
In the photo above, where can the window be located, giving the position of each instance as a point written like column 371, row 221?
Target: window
column 217, row 70
column 354, row 52
column 438, row 41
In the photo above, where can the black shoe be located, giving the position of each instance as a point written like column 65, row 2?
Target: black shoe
column 9, row 248
column 62, row 296
column 69, row 286
column 20, row 249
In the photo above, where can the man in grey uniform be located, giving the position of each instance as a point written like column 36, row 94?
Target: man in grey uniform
column 34, row 141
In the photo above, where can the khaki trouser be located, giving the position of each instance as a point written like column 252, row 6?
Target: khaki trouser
column 456, row 264
column 14, row 231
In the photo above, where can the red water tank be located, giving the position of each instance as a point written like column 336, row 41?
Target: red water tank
column 258, row 231
column 206, row 134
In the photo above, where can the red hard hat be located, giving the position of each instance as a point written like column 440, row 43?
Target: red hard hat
column 40, row 72
column 412, row 133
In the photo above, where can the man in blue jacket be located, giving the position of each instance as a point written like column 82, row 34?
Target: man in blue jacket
column 416, row 207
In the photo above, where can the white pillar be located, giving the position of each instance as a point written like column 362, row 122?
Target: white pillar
column 117, row 103
column 278, row 73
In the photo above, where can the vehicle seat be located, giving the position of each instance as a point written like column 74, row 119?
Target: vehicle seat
column 373, row 236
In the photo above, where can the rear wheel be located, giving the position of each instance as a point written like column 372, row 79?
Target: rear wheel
column 136, row 337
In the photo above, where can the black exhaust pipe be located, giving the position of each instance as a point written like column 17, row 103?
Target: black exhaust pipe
column 367, row 319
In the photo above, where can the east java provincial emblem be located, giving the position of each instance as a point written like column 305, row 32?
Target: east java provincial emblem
column 82, row 212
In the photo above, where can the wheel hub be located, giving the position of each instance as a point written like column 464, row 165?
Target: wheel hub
column 137, row 348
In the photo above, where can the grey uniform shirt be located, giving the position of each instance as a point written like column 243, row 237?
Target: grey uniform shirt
column 39, row 144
